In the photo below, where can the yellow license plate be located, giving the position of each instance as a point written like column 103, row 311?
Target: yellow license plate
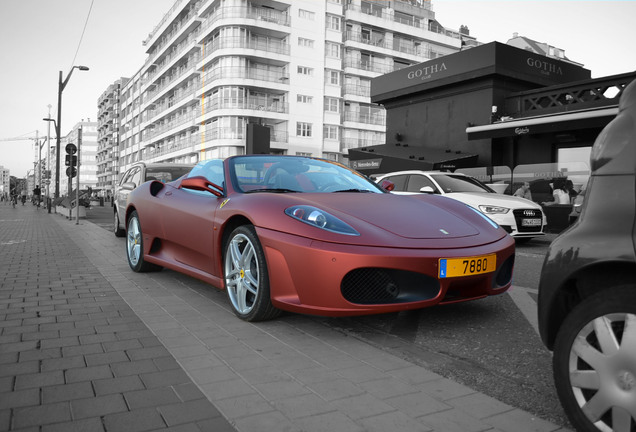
column 456, row 267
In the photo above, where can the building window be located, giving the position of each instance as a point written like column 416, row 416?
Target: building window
column 332, row 77
column 305, row 42
column 303, row 154
column 302, row 13
column 332, row 104
column 330, row 132
column 332, row 50
column 303, row 129
column 304, row 99
column 304, row 70
column 333, row 22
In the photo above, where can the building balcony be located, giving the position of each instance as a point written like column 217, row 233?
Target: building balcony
column 263, row 44
column 248, row 72
column 357, row 90
column 377, row 40
column 368, row 66
column 376, row 119
column 262, row 16
column 348, row 143
column 270, row 104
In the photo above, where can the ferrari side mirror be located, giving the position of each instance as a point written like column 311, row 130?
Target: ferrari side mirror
column 202, row 184
column 387, row 185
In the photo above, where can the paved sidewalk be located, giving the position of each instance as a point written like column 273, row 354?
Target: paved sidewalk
column 85, row 340
column 73, row 355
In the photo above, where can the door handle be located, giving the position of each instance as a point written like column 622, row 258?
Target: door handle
column 168, row 193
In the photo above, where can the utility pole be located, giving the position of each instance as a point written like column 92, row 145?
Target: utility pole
column 48, row 139
column 79, row 153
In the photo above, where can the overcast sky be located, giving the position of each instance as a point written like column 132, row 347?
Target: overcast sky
column 39, row 38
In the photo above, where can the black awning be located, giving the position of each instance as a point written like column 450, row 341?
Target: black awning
column 385, row 158
column 553, row 123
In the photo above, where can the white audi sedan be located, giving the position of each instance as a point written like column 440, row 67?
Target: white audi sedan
column 521, row 218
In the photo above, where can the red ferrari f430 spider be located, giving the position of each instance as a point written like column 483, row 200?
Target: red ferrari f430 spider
column 310, row 235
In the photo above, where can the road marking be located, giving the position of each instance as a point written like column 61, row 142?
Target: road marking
column 531, row 255
column 526, row 304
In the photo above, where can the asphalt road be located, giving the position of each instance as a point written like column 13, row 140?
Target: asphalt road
column 490, row 345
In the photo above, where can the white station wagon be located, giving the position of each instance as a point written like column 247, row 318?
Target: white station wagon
column 523, row 219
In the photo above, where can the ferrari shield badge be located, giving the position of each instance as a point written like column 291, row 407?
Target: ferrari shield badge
column 225, row 201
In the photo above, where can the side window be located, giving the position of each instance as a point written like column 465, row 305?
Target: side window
column 399, row 181
column 135, row 177
column 417, row 182
column 124, row 176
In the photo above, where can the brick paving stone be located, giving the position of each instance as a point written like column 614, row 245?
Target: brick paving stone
column 98, row 406
column 134, row 420
column 151, row 398
column 39, row 380
column 67, row 392
column 117, row 385
column 41, row 414
column 88, row 373
column 20, row 398
column 185, row 412
column 85, row 425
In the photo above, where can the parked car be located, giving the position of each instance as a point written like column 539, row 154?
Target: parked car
column 137, row 174
column 521, row 218
column 587, row 289
column 311, row 236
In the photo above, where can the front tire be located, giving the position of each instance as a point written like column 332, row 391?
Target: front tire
column 135, row 247
column 595, row 362
column 246, row 276
column 117, row 229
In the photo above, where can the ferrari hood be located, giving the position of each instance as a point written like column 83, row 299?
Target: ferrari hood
column 405, row 216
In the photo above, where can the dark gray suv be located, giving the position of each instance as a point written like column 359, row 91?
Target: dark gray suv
column 137, row 174
column 587, row 290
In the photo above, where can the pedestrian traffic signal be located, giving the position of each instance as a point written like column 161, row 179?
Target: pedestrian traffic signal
column 71, row 148
column 71, row 160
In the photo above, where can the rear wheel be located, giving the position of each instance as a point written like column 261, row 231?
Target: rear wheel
column 135, row 247
column 595, row 362
column 246, row 276
column 117, row 229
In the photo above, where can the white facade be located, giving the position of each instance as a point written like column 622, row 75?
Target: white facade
column 4, row 181
column 300, row 67
column 108, row 125
column 87, row 156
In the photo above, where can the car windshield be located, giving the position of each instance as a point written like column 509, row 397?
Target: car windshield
column 166, row 173
column 458, row 183
column 282, row 174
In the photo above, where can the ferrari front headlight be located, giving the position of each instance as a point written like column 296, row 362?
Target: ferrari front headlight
column 320, row 219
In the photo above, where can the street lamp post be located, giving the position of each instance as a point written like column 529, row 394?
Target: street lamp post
column 58, row 126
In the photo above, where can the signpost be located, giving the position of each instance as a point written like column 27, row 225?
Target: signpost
column 71, row 171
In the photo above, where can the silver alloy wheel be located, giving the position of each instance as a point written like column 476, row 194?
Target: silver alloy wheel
column 602, row 371
column 133, row 242
column 242, row 273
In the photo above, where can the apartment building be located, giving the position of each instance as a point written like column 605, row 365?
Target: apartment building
column 84, row 132
column 5, row 184
column 301, row 68
column 108, row 125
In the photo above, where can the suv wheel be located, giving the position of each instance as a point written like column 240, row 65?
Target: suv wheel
column 595, row 362
column 117, row 229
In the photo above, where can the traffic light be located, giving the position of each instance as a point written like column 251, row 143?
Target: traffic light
column 71, row 160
